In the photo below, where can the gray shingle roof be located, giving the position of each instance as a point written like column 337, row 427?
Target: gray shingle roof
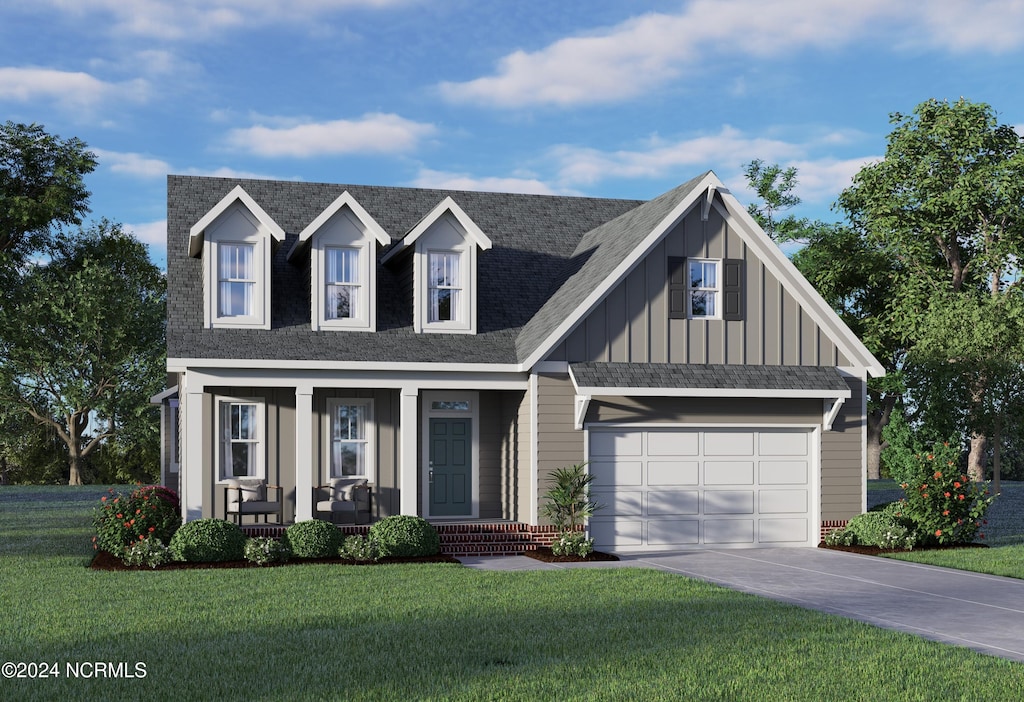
column 535, row 241
column 706, row 377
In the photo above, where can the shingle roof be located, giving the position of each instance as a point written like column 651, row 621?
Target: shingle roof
column 707, row 377
column 535, row 240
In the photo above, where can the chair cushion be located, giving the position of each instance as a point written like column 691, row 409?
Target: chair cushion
column 255, row 507
column 341, row 488
column 253, row 490
column 335, row 506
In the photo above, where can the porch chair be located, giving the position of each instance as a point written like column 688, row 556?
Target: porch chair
column 344, row 497
column 250, row 496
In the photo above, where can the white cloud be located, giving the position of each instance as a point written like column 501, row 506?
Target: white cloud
column 371, row 134
column 70, row 89
column 151, row 233
column 133, row 164
column 643, row 53
column 462, row 181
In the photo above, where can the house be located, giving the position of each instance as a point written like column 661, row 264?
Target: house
column 455, row 347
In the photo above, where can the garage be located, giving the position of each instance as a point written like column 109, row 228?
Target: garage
column 675, row 488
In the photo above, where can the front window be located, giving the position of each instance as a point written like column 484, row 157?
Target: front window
column 349, row 436
column 445, row 287
column 342, row 284
column 236, row 277
column 240, row 439
column 703, row 289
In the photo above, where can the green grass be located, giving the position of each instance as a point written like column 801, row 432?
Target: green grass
column 1001, row 560
column 414, row 632
column 882, row 484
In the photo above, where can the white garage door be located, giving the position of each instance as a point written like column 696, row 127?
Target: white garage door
column 678, row 488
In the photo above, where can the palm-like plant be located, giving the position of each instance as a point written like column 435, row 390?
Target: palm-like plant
column 567, row 502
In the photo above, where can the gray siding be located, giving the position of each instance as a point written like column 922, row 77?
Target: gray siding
column 515, row 451
column 490, row 468
column 632, row 324
column 842, row 459
column 559, row 443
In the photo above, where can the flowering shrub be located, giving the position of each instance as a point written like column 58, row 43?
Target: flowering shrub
column 358, row 548
column 840, row 537
column 313, row 539
column 149, row 552
column 945, row 505
column 149, row 512
column 207, row 540
column 264, row 550
column 572, row 543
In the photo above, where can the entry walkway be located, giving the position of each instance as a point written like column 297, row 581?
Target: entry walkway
column 982, row 612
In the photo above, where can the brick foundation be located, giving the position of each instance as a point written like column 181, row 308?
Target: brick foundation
column 831, row 525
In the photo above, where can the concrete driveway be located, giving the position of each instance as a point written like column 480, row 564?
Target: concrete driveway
column 982, row 612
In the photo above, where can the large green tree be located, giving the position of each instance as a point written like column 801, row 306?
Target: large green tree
column 83, row 343
column 946, row 204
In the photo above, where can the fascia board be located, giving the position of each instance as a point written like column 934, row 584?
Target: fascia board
column 195, row 236
column 473, row 232
column 623, row 269
column 812, row 393
column 161, row 396
column 343, row 200
column 179, row 364
column 809, row 298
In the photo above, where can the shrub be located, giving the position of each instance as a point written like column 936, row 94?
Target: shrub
column 149, row 552
column 264, row 550
column 405, row 536
column 567, row 502
column 887, row 528
column 150, row 512
column 840, row 537
column 207, row 540
column 358, row 548
column 574, row 543
column 313, row 539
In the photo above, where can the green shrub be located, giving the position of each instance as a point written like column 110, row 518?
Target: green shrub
column 840, row 537
column 150, row 512
column 264, row 550
column 887, row 528
column 149, row 552
column 313, row 539
column 358, row 548
column 573, row 543
column 207, row 540
column 405, row 536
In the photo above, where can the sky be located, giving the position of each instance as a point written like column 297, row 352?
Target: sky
column 603, row 98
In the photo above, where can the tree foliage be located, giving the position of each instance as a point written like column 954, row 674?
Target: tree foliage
column 83, row 343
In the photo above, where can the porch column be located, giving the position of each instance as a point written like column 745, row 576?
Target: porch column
column 191, row 475
column 303, row 453
column 407, row 460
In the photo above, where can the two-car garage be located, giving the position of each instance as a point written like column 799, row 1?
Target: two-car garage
column 672, row 488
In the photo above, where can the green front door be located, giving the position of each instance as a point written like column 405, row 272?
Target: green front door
column 451, row 470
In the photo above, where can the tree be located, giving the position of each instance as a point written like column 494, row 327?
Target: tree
column 775, row 187
column 40, row 185
column 947, row 204
column 83, row 347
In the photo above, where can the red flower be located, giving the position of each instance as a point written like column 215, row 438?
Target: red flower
column 925, row 495
column 141, row 537
column 152, row 529
column 937, row 475
column 120, row 516
column 961, row 497
column 931, row 457
column 103, row 499
column 132, row 522
column 945, row 513
column 138, row 511
column 938, row 532
column 946, row 494
column 956, row 484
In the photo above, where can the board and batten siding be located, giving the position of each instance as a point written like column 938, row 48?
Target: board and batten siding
column 559, row 443
column 632, row 323
column 842, row 466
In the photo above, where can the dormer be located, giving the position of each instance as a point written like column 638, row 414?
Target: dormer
column 342, row 243
column 234, row 240
column 444, row 247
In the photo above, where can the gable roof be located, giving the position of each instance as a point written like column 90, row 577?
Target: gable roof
column 473, row 232
column 343, row 200
column 237, row 194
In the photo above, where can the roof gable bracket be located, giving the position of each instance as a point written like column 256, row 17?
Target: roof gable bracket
column 705, row 207
column 832, row 407
column 582, row 405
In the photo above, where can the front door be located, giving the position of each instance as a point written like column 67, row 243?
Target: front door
column 451, row 469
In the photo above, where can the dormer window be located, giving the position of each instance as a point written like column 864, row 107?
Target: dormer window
column 342, row 242
column 234, row 240
column 445, row 304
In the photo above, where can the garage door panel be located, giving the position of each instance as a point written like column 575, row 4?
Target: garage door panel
column 616, row 443
column 728, row 502
column 728, row 472
column 675, row 532
column 673, row 443
column 728, row 531
column 618, row 532
column 611, row 473
column 669, row 502
column 777, row 531
column 782, row 501
column 673, row 473
column 728, row 443
column 619, row 503
column 782, row 472
column 783, row 443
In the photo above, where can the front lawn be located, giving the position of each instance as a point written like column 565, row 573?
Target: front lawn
column 433, row 631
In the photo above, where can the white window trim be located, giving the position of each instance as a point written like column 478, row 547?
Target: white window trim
column 429, row 397
column 370, row 455
column 260, row 441
column 717, row 289
column 366, row 245
column 260, row 240
column 467, row 312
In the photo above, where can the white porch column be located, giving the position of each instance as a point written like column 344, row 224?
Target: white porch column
column 192, row 453
column 303, row 453
column 407, row 459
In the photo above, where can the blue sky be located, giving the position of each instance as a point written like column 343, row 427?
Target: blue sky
column 607, row 98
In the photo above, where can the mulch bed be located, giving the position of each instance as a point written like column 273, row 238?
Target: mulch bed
column 877, row 550
column 543, row 553
column 107, row 561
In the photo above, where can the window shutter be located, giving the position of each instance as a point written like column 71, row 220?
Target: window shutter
column 677, row 288
column 732, row 289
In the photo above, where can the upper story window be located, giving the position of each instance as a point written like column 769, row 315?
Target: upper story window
column 445, row 287
column 234, row 240
column 342, row 242
column 703, row 289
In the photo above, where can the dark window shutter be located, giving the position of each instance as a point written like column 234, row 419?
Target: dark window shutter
column 732, row 289
column 677, row 288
